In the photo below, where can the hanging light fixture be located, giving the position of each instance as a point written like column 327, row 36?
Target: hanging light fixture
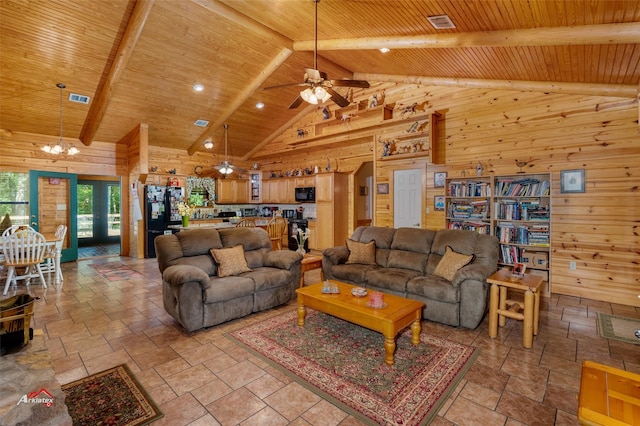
column 60, row 147
column 315, row 94
column 225, row 167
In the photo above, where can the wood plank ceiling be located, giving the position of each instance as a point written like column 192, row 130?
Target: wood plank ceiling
column 138, row 61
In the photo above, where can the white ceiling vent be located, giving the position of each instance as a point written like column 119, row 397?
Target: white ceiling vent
column 441, row 22
column 81, row 99
column 201, row 123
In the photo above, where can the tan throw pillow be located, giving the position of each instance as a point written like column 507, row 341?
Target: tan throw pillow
column 363, row 253
column 231, row 261
column 451, row 262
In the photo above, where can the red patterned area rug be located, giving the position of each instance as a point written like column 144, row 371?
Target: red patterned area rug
column 115, row 271
column 344, row 363
column 112, row 397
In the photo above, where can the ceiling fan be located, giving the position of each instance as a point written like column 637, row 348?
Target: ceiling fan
column 319, row 87
column 225, row 167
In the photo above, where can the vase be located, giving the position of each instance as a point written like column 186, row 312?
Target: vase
column 301, row 250
column 185, row 221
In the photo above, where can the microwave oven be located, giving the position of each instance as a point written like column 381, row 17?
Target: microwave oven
column 305, row 195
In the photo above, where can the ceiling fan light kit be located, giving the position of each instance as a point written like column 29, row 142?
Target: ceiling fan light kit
column 225, row 168
column 60, row 147
column 315, row 95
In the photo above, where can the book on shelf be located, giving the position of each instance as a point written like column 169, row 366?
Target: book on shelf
column 468, row 189
column 526, row 187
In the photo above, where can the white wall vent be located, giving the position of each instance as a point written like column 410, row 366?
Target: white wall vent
column 81, row 99
column 441, row 22
column 201, row 123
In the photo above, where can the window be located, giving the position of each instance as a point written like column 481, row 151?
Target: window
column 14, row 197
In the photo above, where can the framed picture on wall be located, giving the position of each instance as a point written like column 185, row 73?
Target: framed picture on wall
column 438, row 179
column 572, row 181
column 382, row 188
column 438, row 202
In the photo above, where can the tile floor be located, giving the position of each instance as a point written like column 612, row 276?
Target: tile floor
column 204, row 379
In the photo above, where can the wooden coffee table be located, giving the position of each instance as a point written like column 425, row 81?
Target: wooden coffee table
column 398, row 314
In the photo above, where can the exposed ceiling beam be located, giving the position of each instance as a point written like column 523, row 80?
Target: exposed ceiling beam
column 280, row 130
column 262, row 31
column 130, row 38
column 546, row 36
column 242, row 97
column 591, row 89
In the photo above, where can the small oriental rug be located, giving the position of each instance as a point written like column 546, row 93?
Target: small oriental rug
column 344, row 363
column 115, row 271
column 112, row 397
column 618, row 328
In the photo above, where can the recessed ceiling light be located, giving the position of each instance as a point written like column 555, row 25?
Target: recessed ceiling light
column 260, row 105
column 198, row 87
column 208, row 144
column 384, row 49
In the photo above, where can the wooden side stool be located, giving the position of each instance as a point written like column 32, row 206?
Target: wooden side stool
column 309, row 262
column 500, row 308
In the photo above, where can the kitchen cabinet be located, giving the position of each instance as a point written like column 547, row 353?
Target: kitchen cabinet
column 255, row 187
column 332, row 210
column 232, row 191
column 278, row 191
column 305, row 181
column 313, row 239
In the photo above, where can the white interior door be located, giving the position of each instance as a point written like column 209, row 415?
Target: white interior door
column 407, row 198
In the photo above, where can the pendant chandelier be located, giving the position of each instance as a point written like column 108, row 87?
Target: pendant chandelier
column 60, row 147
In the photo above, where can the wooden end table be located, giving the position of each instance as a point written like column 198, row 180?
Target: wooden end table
column 310, row 262
column 398, row 314
column 500, row 308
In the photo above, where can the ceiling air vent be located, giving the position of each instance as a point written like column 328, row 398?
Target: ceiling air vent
column 81, row 99
column 441, row 22
column 201, row 123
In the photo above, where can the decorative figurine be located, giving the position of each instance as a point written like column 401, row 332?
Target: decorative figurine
column 373, row 101
column 479, row 169
column 325, row 113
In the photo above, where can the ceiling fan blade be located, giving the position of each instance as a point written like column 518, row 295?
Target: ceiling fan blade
column 296, row 102
column 337, row 97
column 284, row 85
column 350, row 83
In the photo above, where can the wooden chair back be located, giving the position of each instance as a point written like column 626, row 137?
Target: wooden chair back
column 277, row 228
column 246, row 223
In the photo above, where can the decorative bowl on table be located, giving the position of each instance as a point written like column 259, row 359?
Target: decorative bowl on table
column 359, row 291
column 515, row 278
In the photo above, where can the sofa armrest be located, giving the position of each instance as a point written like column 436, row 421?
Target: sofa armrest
column 282, row 259
column 177, row 275
column 336, row 255
column 472, row 272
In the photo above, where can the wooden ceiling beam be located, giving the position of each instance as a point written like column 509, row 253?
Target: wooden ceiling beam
column 242, row 97
column 622, row 33
column 262, row 31
column 591, row 89
column 101, row 101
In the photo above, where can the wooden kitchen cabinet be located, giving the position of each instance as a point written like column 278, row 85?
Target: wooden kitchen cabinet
column 313, row 236
column 278, row 190
column 332, row 210
column 232, row 191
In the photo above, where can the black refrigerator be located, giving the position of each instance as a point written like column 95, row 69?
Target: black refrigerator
column 160, row 211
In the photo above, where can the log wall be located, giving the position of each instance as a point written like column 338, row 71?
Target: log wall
column 598, row 229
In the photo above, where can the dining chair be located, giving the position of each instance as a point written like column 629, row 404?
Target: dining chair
column 277, row 228
column 246, row 223
column 14, row 228
column 24, row 250
column 49, row 264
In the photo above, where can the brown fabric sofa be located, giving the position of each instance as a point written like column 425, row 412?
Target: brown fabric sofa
column 197, row 297
column 405, row 261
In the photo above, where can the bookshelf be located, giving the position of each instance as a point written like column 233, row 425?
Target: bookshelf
column 522, row 219
column 515, row 208
column 468, row 204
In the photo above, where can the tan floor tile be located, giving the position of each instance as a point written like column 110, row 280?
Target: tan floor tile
column 211, row 391
column 325, row 414
column 180, row 411
column 265, row 386
column 525, row 410
column 532, row 390
column 172, row 367
column 198, row 353
column 464, row 412
column 266, row 417
column 240, row 374
column 189, row 379
column 235, row 407
column 104, row 362
column 292, row 400
column 95, row 351
column 480, row 395
column 77, row 345
column 150, row 359
column 563, row 399
column 69, row 362
column 220, row 363
column 206, row 420
column 149, row 379
column 162, row 394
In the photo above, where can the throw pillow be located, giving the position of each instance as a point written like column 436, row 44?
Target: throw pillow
column 363, row 253
column 451, row 262
column 231, row 261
